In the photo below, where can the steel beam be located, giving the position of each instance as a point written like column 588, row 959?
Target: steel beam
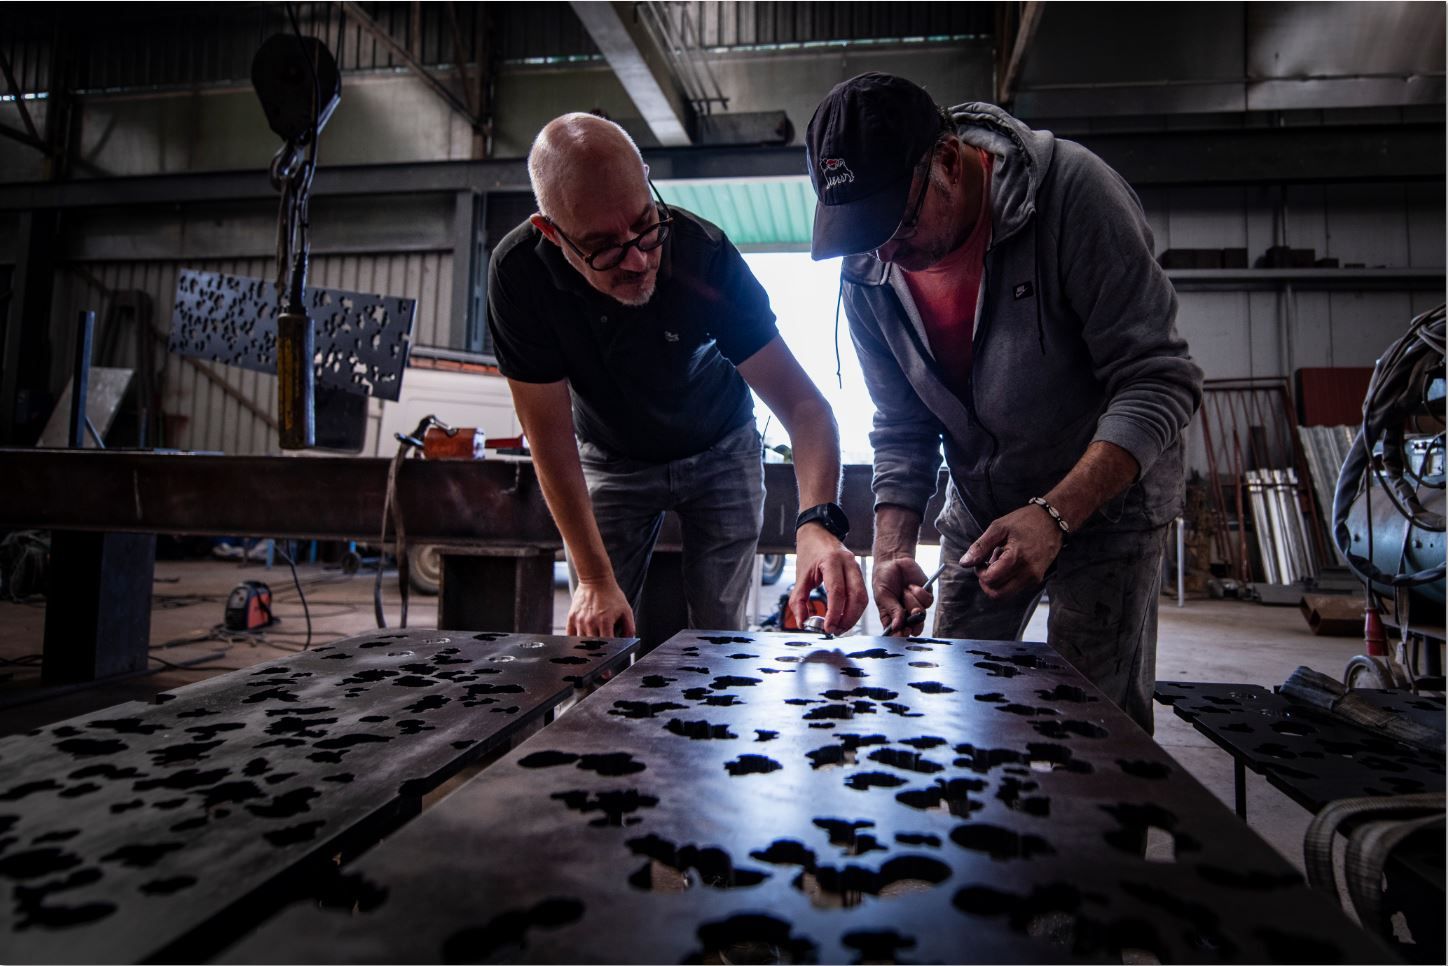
column 1030, row 19
column 1341, row 154
column 492, row 503
column 406, row 56
column 641, row 67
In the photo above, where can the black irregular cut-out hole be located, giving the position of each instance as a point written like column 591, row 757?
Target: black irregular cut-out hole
column 726, row 681
column 616, row 807
column 873, row 654
column 906, row 760
column 786, row 852
column 742, row 657
column 866, row 780
column 130, row 726
column 924, row 664
column 878, row 946
column 656, row 681
column 848, row 836
column 120, row 807
column 429, row 702
column 341, row 778
column 699, row 730
column 140, row 856
column 763, row 735
column 27, row 789
column 923, row 742
column 751, row 765
column 569, row 659
column 611, row 765
column 34, row 863
column 752, row 938
column 504, row 937
column 991, row 697
column 643, row 709
column 91, row 747
column 62, row 836
column 1065, row 693
column 728, row 640
column 711, row 865
column 112, row 772
column 917, row 839
column 931, row 687
column 287, row 804
column 843, row 886
column 873, row 694
column 951, row 795
column 592, row 645
column 1065, row 729
column 547, row 759
column 1153, row 770
column 999, row 843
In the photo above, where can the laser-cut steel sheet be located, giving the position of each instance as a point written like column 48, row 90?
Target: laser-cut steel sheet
column 362, row 340
column 1310, row 756
column 158, row 831
column 771, row 798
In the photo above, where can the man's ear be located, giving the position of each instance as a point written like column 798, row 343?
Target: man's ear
column 545, row 226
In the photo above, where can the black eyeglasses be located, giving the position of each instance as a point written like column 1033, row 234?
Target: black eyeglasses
column 907, row 225
column 610, row 256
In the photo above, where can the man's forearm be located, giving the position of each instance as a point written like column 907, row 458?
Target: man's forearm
column 560, row 477
column 1101, row 473
column 814, row 439
column 897, row 531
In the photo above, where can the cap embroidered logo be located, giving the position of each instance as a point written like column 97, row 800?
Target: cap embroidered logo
column 836, row 172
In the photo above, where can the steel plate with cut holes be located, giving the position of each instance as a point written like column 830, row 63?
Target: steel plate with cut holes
column 1312, row 756
column 161, row 831
column 362, row 340
column 748, row 798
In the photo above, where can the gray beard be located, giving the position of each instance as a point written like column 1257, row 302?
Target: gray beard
column 641, row 299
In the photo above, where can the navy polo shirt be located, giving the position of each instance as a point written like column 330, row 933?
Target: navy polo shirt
column 654, row 382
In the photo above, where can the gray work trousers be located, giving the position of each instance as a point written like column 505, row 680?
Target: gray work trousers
column 1104, row 595
column 718, row 496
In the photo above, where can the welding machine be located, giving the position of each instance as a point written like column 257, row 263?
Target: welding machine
column 248, row 606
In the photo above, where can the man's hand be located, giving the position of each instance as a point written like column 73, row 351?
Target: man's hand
column 823, row 559
column 1015, row 552
column 900, row 592
column 600, row 610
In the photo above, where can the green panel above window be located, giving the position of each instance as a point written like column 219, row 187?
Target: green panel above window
column 760, row 215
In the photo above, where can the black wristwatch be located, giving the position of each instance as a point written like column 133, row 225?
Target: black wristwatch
column 828, row 515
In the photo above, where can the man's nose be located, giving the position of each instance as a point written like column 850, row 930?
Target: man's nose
column 634, row 260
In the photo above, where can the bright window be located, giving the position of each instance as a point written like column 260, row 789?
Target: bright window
column 803, row 294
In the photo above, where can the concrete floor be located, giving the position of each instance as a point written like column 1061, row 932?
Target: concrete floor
column 1224, row 641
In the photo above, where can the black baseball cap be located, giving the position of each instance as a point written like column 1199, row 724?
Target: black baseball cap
column 862, row 146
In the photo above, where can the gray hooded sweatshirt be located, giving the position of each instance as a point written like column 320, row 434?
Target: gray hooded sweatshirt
column 1075, row 341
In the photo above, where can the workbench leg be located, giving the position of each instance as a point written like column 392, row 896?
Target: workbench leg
column 98, row 608
column 1239, row 782
column 663, row 611
column 496, row 593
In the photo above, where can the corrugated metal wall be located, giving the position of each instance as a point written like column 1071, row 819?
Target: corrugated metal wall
column 727, row 23
column 223, row 408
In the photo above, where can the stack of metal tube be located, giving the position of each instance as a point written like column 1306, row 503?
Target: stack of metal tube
column 1326, row 448
column 1282, row 539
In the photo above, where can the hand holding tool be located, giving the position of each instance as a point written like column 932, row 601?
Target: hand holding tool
column 919, row 616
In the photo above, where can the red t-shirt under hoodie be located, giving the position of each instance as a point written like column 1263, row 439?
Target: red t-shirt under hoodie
column 948, row 293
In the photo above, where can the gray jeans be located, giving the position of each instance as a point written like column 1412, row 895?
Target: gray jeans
column 718, row 496
column 1103, row 610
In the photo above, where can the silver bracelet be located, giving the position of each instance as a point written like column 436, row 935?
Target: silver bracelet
column 1055, row 514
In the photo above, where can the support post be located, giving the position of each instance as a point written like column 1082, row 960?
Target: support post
column 496, row 589
column 98, row 607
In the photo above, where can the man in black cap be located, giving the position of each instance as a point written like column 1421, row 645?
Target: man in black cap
column 1004, row 299
column 631, row 334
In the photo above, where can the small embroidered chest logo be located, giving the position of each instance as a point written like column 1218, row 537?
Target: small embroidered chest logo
column 670, row 336
column 1024, row 290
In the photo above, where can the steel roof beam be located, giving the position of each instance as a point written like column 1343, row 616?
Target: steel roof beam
column 642, row 67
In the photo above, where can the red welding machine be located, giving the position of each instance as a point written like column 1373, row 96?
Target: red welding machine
column 248, row 606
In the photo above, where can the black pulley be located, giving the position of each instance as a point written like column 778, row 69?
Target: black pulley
column 288, row 72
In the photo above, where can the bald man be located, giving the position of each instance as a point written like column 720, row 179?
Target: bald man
column 630, row 333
